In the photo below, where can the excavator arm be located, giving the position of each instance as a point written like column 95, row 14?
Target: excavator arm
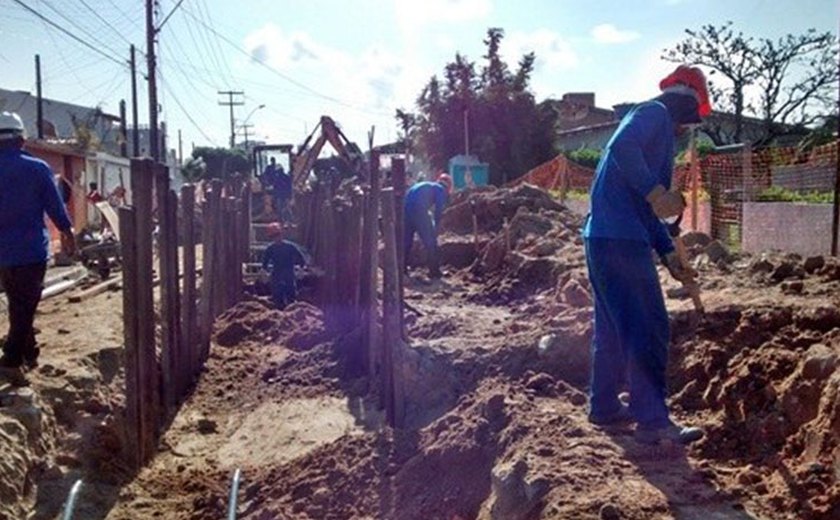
column 307, row 156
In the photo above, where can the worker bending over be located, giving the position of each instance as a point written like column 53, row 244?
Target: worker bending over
column 27, row 192
column 280, row 259
column 420, row 198
column 630, row 197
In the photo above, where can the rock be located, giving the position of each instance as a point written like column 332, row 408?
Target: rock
column 609, row 512
column 575, row 294
column 813, row 264
column 717, row 252
column 542, row 384
column 761, row 265
column 820, row 361
column 513, row 496
column 793, row 287
column 783, row 271
column 696, row 238
column 207, row 426
column 233, row 334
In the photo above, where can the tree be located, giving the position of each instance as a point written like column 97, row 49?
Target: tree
column 220, row 163
column 795, row 75
column 493, row 105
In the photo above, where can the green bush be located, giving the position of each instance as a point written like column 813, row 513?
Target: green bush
column 780, row 194
column 589, row 157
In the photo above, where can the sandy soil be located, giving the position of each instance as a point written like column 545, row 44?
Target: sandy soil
column 496, row 376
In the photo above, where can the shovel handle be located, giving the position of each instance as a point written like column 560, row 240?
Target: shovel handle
column 693, row 287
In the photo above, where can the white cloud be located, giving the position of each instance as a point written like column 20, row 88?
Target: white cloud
column 553, row 52
column 373, row 82
column 608, row 33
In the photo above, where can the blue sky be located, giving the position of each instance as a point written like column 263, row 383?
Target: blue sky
column 359, row 60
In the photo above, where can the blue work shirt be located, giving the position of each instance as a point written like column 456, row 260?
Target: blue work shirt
column 27, row 191
column 421, row 196
column 280, row 258
column 638, row 157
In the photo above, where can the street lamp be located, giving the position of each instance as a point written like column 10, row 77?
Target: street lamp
column 244, row 124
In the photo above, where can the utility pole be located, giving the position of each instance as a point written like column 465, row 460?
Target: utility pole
column 39, row 119
column 245, row 128
column 231, row 103
column 154, row 144
column 135, row 136
column 123, row 130
column 180, row 149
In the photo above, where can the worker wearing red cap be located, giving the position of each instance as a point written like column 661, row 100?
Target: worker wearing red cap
column 280, row 259
column 420, row 198
column 630, row 197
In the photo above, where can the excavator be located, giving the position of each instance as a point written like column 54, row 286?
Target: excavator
column 300, row 165
column 348, row 152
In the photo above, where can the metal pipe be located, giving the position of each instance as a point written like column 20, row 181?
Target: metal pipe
column 234, row 493
column 70, row 505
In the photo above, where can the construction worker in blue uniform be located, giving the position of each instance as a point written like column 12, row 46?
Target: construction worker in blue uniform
column 280, row 259
column 27, row 192
column 630, row 200
column 420, row 199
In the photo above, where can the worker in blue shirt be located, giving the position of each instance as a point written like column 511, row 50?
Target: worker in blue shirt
column 280, row 259
column 629, row 201
column 27, row 192
column 420, row 198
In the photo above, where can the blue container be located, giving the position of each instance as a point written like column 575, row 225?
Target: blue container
column 479, row 171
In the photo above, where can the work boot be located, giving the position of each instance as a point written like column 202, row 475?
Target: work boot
column 11, row 370
column 620, row 416
column 672, row 432
column 30, row 359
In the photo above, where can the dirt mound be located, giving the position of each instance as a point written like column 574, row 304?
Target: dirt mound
column 768, row 380
column 300, row 326
column 528, row 240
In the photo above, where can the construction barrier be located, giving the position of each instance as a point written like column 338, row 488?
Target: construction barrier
column 156, row 384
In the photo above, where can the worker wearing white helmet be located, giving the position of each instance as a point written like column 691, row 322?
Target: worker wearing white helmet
column 27, row 192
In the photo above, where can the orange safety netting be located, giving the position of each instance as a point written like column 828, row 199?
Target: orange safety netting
column 557, row 173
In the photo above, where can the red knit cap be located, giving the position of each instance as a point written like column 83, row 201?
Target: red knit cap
column 274, row 230
column 693, row 78
column 446, row 181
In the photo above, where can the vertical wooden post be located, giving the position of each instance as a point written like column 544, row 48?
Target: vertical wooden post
column 133, row 384
column 354, row 257
column 188, row 303
column 179, row 357
column 219, row 274
column 142, row 180
column 330, row 263
column 398, row 182
column 208, row 270
column 392, row 345
column 168, row 354
column 370, row 265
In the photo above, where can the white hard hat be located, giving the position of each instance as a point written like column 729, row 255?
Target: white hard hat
column 11, row 125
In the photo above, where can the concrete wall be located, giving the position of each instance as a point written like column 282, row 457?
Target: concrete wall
column 787, row 226
column 704, row 222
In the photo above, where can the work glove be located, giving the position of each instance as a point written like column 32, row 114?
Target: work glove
column 666, row 204
column 68, row 242
column 681, row 272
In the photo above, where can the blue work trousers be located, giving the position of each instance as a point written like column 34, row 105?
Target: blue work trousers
column 631, row 331
column 420, row 222
column 283, row 293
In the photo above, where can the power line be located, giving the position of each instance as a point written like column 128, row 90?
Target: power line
column 104, row 21
column 68, row 33
column 80, row 28
column 215, row 40
column 186, row 112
